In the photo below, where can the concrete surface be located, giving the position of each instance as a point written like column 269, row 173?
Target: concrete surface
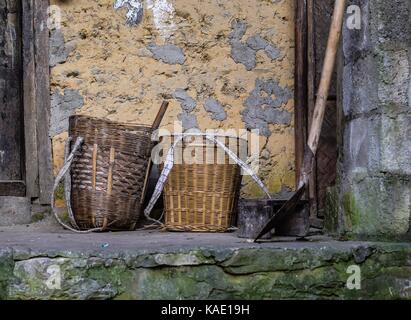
column 14, row 211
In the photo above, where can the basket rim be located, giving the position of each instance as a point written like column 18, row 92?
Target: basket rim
column 127, row 124
column 193, row 134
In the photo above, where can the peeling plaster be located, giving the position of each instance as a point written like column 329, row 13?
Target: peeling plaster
column 262, row 106
column 168, row 53
column 188, row 121
column 62, row 107
column 216, row 109
column 187, row 103
column 245, row 53
column 59, row 50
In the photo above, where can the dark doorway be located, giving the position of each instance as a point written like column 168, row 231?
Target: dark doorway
column 11, row 104
column 313, row 19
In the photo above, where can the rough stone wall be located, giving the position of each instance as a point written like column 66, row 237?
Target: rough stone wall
column 313, row 271
column 222, row 64
column 374, row 196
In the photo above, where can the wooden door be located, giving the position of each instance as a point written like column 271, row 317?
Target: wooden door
column 11, row 106
column 325, row 167
column 313, row 19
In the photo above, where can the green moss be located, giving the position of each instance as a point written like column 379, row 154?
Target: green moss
column 59, row 195
column 352, row 212
column 38, row 216
column 116, row 276
column 331, row 211
column 6, row 272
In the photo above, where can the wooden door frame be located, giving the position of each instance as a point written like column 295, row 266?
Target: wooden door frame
column 36, row 100
column 299, row 224
column 300, row 83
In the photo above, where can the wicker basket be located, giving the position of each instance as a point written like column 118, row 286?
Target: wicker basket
column 108, row 174
column 203, row 197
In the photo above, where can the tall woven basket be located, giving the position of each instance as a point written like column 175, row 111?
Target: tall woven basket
column 202, row 197
column 108, row 173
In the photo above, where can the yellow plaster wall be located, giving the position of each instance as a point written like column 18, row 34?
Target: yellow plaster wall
column 111, row 68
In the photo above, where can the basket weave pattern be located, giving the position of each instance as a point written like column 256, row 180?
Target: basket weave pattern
column 202, row 197
column 108, row 173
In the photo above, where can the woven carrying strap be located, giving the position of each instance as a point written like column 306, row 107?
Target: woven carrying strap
column 64, row 173
column 169, row 163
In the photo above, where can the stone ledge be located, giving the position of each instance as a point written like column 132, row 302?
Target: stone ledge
column 157, row 265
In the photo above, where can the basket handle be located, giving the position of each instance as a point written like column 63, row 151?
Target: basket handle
column 156, row 124
column 65, row 174
column 169, row 163
column 160, row 115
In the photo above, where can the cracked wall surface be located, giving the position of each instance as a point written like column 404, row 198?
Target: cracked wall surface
column 222, row 64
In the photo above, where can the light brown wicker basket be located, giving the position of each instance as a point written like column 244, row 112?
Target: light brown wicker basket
column 203, row 197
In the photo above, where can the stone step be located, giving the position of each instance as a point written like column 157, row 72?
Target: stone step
column 161, row 265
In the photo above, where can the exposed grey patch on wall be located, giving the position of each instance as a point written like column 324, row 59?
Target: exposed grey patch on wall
column 262, row 106
column 134, row 13
column 239, row 28
column 245, row 53
column 188, row 121
column 216, row 109
column 168, row 53
column 187, row 103
column 62, row 107
column 59, row 50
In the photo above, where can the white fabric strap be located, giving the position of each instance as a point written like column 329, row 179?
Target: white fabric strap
column 169, row 163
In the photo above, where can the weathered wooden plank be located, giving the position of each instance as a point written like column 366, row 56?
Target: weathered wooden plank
column 29, row 99
column 10, row 99
column 300, row 112
column 324, row 170
column 12, row 188
column 327, row 155
column 298, row 223
column 322, row 13
column 42, row 78
column 311, row 76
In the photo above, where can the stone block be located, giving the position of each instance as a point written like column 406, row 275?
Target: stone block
column 376, row 207
column 390, row 21
column 361, row 149
column 14, row 211
column 395, row 145
column 377, row 145
column 394, row 81
column 360, row 86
